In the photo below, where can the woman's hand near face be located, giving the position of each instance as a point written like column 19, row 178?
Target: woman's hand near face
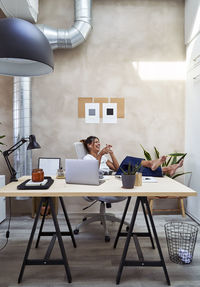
column 113, row 163
column 104, row 150
column 109, row 148
column 101, row 153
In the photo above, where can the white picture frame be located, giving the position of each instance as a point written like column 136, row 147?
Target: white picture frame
column 92, row 113
column 110, row 113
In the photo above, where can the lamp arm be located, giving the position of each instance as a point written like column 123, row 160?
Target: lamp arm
column 6, row 154
column 11, row 169
column 14, row 147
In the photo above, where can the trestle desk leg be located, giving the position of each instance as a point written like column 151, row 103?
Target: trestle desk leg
column 70, row 233
column 30, row 241
column 42, row 223
column 122, row 221
column 128, row 238
column 68, row 222
column 147, row 224
column 46, row 260
column 60, row 241
column 157, row 241
column 141, row 261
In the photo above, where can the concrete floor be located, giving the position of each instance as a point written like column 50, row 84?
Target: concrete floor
column 93, row 262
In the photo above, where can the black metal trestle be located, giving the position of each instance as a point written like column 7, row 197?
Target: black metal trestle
column 56, row 234
column 141, row 261
column 51, row 233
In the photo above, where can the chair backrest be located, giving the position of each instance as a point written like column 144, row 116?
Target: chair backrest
column 80, row 150
column 49, row 165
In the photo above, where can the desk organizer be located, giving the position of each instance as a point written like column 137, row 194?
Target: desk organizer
column 45, row 186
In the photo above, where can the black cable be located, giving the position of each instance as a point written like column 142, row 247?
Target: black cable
column 8, row 229
column 89, row 205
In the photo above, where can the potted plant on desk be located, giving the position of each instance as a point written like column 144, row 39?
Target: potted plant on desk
column 128, row 177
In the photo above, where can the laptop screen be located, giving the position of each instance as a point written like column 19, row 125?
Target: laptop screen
column 79, row 171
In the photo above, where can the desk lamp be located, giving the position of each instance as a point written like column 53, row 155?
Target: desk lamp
column 32, row 145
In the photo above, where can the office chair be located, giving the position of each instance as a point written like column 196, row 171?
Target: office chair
column 105, row 201
column 50, row 167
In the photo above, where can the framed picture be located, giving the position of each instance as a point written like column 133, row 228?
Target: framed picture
column 92, row 113
column 110, row 113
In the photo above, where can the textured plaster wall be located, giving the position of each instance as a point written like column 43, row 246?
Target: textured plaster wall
column 123, row 31
column 6, row 126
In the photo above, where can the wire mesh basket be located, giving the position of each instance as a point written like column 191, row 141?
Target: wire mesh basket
column 181, row 239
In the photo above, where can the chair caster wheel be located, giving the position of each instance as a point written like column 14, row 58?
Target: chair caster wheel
column 84, row 219
column 127, row 228
column 76, row 231
column 107, row 238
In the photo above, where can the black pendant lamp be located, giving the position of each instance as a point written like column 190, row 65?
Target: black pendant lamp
column 24, row 50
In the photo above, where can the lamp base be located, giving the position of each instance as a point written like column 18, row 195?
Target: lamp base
column 13, row 179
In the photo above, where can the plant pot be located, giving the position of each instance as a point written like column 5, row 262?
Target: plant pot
column 128, row 180
column 42, row 210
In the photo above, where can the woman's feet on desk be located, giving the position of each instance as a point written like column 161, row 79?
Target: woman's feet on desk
column 170, row 170
column 154, row 164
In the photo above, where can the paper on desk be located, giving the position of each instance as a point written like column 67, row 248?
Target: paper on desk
column 36, row 183
column 148, row 179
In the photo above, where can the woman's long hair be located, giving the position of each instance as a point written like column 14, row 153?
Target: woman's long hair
column 87, row 141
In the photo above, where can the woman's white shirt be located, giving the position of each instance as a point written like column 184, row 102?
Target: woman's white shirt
column 103, row 164
column 88, row 156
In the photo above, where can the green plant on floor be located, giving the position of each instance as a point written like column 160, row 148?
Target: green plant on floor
column 132, row 169
column 1, row 143
column 172, row 158
column 43, row 207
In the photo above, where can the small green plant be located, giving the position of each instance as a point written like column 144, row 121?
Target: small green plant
column 132, row 169
column 1, row 143
column 172, row 158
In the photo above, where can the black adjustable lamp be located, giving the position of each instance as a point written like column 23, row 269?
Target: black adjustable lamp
column 24, row 50
column 32, row 145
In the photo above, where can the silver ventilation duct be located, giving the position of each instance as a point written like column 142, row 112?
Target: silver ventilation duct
column 77, row 34
column 22, row 114
column 22, row 107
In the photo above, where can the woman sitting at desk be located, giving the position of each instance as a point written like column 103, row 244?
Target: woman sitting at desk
column 148, row 167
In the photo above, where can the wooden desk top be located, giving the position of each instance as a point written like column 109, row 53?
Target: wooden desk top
column 112, row 186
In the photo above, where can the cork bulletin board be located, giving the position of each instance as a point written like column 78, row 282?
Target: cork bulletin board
column 120, row 106
column 101, row 100
column 81, row 106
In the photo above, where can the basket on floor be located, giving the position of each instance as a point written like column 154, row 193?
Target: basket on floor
column 181, row 239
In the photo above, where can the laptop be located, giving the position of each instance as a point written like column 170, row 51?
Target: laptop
column 79, row 171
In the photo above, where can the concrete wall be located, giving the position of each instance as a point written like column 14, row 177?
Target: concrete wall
column 6, row 126
column 124, row 31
